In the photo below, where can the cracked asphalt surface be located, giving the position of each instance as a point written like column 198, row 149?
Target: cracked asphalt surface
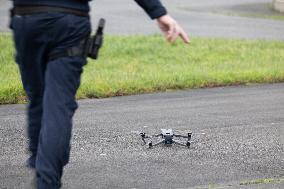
column 125, row 17
column 237, row 136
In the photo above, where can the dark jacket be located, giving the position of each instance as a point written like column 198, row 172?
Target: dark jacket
column 153, row 8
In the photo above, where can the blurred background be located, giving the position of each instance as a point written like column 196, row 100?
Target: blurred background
column 249, row 19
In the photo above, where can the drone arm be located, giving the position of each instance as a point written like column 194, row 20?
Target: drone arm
column 160, row 142
column 158, row 135
column 181, row 136
column 143, row 135
column 143, row 139
column 179, row 143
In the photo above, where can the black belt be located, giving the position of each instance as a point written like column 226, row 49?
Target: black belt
column 27, row 10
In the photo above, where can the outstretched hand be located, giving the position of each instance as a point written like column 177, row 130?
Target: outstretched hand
column 171, row 29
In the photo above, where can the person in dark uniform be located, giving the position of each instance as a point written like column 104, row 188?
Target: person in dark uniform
column 44, row 27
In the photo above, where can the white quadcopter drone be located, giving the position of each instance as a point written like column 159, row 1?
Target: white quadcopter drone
column 167, row 138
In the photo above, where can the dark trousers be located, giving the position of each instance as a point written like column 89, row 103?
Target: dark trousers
column 50, row 87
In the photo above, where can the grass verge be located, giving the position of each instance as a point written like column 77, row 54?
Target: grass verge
column 140, row 64
column 264, row 181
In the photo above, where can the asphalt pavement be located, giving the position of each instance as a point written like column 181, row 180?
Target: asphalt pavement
column 238, row 138
column 199, row 18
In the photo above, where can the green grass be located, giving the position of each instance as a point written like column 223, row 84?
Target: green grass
column 264, row 181
column 139, row 64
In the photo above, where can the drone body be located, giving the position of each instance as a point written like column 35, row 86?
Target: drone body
column 167, row 137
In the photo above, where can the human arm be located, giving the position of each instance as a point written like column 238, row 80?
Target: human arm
column 153, row 8
column 169, row 26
